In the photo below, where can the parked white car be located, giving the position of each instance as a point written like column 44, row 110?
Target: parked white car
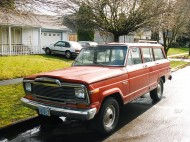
column 87, row 43
column 67, row 48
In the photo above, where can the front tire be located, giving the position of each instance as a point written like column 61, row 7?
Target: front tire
column 47, row 51
column 157, row 93
column 108, row 116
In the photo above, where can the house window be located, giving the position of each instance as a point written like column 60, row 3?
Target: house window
column 58, row 34
column 16, row 35
column 49, row 34
column 54, row 34
column 45, row 34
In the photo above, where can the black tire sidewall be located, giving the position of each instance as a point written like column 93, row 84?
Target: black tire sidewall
column 66, row 53
column 154, row 94
column 48, row 51
column 104, row 130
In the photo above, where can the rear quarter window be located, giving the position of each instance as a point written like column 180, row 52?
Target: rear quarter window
column 158, row 54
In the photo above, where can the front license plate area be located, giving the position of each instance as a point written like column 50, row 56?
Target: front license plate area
column 44, row 111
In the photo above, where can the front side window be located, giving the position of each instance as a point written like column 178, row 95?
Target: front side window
column 101, row 56
column 60, row 43
column 147, row 54
column 134, row 56
column 158, row 54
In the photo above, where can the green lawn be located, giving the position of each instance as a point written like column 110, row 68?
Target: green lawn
column 175, row 64
column 21, row 66
column 11, row 109
column 173, row 51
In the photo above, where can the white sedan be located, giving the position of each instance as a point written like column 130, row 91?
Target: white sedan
column 67, row 48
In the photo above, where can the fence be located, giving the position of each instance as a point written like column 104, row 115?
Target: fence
column 20, row 49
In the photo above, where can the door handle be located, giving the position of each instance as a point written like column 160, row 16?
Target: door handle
column 145, row 66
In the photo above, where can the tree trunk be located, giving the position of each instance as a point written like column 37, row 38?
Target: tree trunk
column 116, row 38
column 165, row 42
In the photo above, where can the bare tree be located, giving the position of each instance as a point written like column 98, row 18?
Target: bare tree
column 174, row 22
column 120, row 17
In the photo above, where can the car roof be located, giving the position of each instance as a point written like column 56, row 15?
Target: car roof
column 134, row 44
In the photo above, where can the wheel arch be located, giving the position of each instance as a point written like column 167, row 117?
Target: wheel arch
column 116, row 94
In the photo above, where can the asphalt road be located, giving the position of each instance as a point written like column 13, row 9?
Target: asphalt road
column 141, row 120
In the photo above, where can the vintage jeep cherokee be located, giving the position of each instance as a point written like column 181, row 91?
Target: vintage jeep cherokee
column 100, row 81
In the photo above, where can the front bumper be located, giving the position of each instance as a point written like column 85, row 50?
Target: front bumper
column 80, row 114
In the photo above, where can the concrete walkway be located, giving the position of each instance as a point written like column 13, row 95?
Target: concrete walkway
column 176, row 55
column 174, row 59
column 11, row 81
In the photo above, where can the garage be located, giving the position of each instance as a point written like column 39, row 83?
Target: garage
column 48, row 38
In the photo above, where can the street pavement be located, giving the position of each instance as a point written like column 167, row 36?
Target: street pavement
column 140, row 120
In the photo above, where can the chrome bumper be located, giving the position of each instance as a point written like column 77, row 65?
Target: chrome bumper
column 85, row 114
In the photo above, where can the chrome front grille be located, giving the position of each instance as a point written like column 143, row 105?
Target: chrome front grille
column 57, row 93
column 55, row 90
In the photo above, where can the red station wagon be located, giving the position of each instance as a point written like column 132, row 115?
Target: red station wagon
column 101, row 80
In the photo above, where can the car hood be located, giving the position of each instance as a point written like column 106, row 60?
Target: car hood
column 82, row 74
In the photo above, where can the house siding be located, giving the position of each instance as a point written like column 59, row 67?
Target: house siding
column 64, row 36
column 30, row 36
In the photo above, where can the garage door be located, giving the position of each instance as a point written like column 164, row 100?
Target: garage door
column 50, row 38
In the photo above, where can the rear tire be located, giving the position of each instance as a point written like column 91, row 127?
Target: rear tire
column 157, row 93
column 108, row 116
column 68, row 54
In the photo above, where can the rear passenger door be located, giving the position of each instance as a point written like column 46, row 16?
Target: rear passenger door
column 137, row 72
column 161, row 62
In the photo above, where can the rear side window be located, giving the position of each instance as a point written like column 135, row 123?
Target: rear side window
column 134, row 56
column 147, row 54
column 158, row 54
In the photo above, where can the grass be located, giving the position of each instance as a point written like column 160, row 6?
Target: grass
column 173, row 51
column 11, row 109
column 21, row 66
column 175, row 64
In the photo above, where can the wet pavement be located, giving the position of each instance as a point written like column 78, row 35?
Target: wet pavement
column 140, row 120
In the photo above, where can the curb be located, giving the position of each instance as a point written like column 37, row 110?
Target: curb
column 22, row 123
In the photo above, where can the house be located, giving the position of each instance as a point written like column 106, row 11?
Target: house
column 22, row 33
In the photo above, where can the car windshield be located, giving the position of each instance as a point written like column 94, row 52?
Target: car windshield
column 102, row 56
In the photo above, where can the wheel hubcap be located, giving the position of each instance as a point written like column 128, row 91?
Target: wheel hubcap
column 67, row 54
column 109, row 116
column 159, row 90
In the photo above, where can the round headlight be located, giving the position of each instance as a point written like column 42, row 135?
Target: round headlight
column 28, row 87
column 79, row 93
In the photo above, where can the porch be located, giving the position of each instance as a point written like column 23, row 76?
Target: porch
column 17, row 40
column 19, row 49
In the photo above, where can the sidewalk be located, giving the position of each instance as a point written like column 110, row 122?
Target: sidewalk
column 176, row 55
column 11, row 81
